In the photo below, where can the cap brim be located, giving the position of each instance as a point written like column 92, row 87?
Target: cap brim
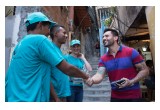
column 52, row 23
column 75, row 44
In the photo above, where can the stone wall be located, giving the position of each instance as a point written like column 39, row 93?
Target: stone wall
column 90, row 39
column 24, row 11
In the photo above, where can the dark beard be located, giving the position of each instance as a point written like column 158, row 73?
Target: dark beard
column 109, row 44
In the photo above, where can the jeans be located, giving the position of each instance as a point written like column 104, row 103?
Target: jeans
column 76, row 94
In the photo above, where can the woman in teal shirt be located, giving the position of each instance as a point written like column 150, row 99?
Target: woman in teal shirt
column 77, row 59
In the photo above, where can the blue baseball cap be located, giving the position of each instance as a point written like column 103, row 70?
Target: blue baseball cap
column 37, row 17
column 73, row 42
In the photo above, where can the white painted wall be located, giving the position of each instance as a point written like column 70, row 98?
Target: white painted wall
column 150, row 15
column 11, row 35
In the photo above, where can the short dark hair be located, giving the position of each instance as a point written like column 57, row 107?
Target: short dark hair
column 32, row 27
column 113, row 31
column 54, row 29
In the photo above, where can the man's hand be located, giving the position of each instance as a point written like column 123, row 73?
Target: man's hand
column 126, row 83
column 89, row 82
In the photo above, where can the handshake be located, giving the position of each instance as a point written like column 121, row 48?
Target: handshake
column 89, row 81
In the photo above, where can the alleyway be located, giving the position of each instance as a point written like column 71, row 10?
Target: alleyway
column 98, row 92
column 135, row 25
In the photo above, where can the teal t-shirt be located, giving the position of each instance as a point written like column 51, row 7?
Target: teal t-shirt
column 28, row 76
column 79, row 63
column 60, row 80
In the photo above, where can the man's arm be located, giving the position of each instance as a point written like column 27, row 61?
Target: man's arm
column 98, row 77
column 71, row 70
column 142, row 73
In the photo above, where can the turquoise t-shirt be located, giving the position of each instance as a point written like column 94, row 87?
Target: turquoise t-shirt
column 60, row 80
column 28, row 76
column 79, row 63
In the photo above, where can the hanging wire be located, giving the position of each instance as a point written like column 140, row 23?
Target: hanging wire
column 8, row 13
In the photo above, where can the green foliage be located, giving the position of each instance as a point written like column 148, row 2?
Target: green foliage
column 108, row 21
column 112, row 11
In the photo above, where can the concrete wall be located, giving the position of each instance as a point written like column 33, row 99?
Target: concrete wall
column 11, row 35
column 127, row 15
column 8, row 39
column 25, row 10
column 15, row 29
column 150, row 15
column 83, row 41
column 88, row 40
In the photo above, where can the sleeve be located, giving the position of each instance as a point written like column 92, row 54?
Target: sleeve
column 101, row 64
column 136, row 57
column 65, row 57
column 48, row 53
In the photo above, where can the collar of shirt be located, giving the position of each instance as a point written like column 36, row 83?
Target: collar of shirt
column 120, row 49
